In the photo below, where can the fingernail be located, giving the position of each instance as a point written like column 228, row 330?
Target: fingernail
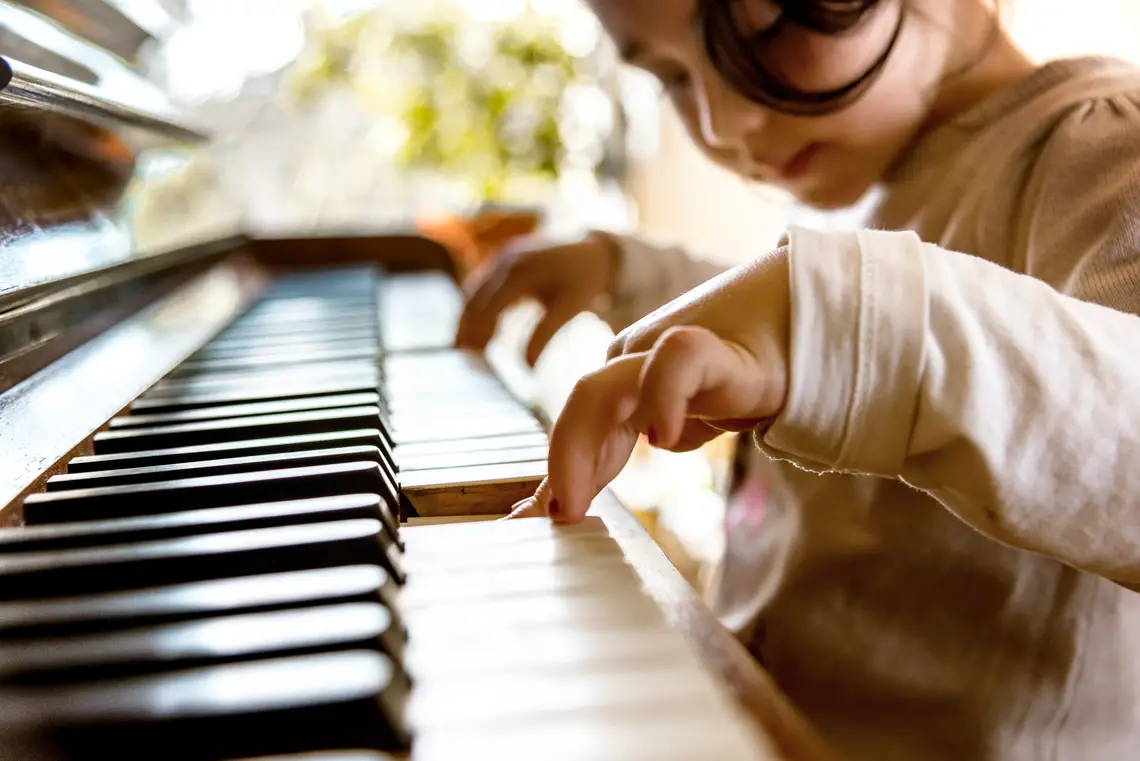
column 553, row 508
column 651, row 434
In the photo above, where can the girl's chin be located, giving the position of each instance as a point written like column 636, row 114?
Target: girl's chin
column 830, row 196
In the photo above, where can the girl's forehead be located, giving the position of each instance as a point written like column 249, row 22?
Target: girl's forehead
column 642, row 23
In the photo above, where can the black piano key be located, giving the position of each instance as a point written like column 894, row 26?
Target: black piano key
column 362, row 278
column 248, row 409
column 236, row 429
column 149, row 528
column 268, row 329
column 173, row 402
column 313, row 296
column 133, row 609
column 252, row 347
column 275, row 316
column 197, row 644
column 227, row 344
column 258, row 376
column 271, row 361
column 315, row 292
column 363, row 437
column 315, row 288
column 220, row 467
column 309, row 298
column 71, row 573
column 355, row 372
column 286, row 705
column 307, row 306
column 211, row 491
column 306, row 310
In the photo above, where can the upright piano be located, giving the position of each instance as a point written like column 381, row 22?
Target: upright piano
column 244, row 482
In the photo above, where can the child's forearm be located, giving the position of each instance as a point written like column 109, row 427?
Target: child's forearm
column 648, row 276
column 1016, row 406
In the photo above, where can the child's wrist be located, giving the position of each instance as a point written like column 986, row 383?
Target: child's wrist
column 611, row 250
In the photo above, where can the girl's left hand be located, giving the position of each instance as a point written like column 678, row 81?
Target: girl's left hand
column 714, row 360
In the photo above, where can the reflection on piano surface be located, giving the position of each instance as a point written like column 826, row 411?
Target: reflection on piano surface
column 242, row 479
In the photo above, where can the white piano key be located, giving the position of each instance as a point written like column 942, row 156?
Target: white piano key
column 502, row 472
column 519, row 698
column 460, row 622
column 466, row 429
column 458, row 362
column 419, row 311
column 468, row 459
column 451, row 560
column 424, row 590
column 506, row 532
column 693, row 732
column 547, row 647
column 419, row 394
column 445, row 411
column 478, row 444
column 541, row 651
column 474, row 420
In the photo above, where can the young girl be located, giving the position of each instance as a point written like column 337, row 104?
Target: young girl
column 936, row 534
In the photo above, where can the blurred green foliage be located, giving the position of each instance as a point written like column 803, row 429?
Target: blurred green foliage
column 478, row 101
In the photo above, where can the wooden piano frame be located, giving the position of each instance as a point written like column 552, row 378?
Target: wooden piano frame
column 81, row 342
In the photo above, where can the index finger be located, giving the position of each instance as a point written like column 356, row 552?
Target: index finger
column 489, row 297
column 592, row 439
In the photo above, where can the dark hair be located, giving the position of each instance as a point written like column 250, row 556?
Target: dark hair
column 737, row 53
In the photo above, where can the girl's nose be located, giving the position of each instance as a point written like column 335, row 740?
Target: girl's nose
column 728, row 122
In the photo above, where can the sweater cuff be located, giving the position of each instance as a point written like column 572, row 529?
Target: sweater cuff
column 637, row 271
column 858, row 322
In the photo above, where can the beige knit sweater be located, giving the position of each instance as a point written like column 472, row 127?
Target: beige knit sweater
column 944, row 576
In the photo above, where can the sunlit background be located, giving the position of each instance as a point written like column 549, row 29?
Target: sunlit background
column 361, row 115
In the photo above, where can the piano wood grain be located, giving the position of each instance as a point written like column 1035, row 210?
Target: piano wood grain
column 472, row 490
column 51, row 416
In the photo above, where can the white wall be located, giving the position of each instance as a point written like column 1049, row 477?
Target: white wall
column 684, row 198
column 1049, row 29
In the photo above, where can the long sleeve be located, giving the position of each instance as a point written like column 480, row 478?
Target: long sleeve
column 649, row 276
column 1013, row 399
column 1014, row 405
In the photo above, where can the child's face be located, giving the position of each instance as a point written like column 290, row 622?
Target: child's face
column 827, row 161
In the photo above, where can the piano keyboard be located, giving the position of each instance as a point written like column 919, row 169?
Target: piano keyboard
column 505, row 641
column 310, row 379
column 228, row 577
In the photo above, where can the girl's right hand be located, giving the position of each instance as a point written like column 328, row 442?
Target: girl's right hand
column 565, row 279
